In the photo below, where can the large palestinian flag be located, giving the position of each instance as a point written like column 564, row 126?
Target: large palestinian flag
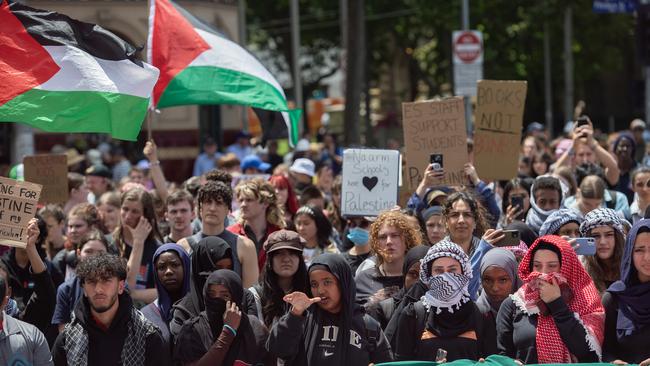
column 198, row 65
column 63, row 75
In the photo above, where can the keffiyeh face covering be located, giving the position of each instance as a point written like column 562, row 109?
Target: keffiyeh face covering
column 447, row 290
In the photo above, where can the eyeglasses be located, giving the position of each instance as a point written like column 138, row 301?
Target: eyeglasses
column 455, row 215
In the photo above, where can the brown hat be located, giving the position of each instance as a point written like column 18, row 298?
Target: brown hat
column 284, row 239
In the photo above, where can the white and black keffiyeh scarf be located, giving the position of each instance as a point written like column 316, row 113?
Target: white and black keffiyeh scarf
column 447, row 290
column 602, row 217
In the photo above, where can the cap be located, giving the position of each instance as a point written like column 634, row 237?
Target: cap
column 535, row 127
column 284, row 239
column 303, row 166
column 432, row 195
column 99, row 170
column 637, row 123
column 254, row 161
column 242, row 135
column 73, row 157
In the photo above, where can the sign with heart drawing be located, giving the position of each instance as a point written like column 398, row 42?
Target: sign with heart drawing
column 370, row 181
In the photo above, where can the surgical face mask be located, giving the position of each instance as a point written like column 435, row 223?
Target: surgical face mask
column 358, row 236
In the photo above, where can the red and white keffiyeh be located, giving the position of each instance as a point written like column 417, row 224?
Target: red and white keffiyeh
column 585, row 302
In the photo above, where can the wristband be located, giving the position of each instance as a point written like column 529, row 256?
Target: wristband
column 231, row 329
column 154, row 163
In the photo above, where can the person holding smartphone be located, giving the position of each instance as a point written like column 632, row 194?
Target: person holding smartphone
column 606, row 227
column 516, row 200
column 586, row 150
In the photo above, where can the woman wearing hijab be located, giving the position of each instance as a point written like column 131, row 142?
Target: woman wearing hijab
column 556, row 316
column 606, row 227
column 221, row 334
column 546, row 196
column 172, row 276
column 563, row 222
column 499, row 279
column 627, row 324
column 211, row 253
column 384, row 310
column 325, row 326
column 445, row 317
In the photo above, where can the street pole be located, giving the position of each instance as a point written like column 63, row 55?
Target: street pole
column 295, row 57
column 469, row 125
column 646, row 69
column 548, row 95
column 568, row 65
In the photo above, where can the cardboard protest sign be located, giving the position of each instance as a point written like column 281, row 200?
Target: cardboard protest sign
column 18, row 201
column 370, row 181
column 435, row 127
column 50, row 171
column 497, row 128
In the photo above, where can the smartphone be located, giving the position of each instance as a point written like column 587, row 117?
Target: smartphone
column 511, row 239
column 517, row 201
column 441, row 355
column 581, row 121
column 436, row 159
column 587, row 246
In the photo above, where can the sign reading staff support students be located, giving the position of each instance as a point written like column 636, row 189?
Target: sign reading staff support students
column 370, row 181
column 435, row 127
column 497, row 128
column 18, row 201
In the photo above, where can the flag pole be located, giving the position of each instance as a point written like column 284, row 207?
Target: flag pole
column 149, row 118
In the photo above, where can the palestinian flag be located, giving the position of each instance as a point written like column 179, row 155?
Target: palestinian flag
column 62, row 75
column 199, row 65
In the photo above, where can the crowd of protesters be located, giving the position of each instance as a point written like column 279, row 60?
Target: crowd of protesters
column 250, row 261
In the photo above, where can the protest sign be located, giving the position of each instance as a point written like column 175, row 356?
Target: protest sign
column 50, row 171
column 18, row 202
column 497, row 128
column 370, row 181
column 435, row 127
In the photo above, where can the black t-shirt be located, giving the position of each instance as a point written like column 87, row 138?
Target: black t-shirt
column 145, row 277
column 355, row 260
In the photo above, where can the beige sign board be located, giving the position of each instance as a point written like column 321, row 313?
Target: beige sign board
column 435, row 127
column 497, row 128
column 51, row 171
column 18, row 204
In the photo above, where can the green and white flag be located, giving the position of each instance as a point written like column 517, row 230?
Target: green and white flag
column 62, row 75
column 198, row 65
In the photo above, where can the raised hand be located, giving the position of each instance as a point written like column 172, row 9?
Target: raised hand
column 493, row 236
column 141, row 231
column 232, row 315
column 299, row 302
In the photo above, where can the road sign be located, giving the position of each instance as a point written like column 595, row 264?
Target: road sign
column 468, row 61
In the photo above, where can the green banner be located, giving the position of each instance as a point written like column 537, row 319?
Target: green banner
column 494, row 360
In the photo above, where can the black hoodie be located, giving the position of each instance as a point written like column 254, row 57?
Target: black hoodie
column 205, row 340
column 105, row 345
column 321, row 338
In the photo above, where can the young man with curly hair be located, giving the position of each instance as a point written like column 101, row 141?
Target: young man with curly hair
column 391, row 236
column 260, row 214
column 214, row 202
column 106, row 328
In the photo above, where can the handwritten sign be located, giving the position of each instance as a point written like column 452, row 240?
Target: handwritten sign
column 435, row 127
column 497, row 131
column 51, row 171
column 18, row 202
column 370, row 181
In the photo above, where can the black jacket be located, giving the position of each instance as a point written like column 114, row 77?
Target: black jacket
column 517, row 331
column 320, row 338
column 105, row 346
column 632, row 348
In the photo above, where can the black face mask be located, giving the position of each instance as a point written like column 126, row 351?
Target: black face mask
column 215, row 308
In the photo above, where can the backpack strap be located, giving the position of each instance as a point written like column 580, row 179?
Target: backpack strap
column 612, row 204
column 372, row 332
column 258, row 302
column 420, row 318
